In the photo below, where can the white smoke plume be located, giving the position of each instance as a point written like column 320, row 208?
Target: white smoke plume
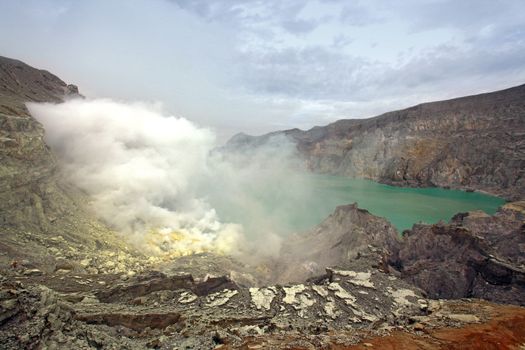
column 152, row 176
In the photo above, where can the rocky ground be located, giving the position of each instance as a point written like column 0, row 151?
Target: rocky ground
column 161, row 311
column 205, row 301
column 472, row 143
column 448, row 325
column 475, row 255
column 67, row 281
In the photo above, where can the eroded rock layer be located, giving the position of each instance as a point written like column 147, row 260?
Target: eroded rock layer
column 359, row 301
column 155, row 310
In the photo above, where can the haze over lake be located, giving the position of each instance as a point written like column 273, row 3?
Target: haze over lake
column 403, row 207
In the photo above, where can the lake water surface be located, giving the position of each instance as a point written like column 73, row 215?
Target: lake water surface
column 400, row 205
column 286, row 212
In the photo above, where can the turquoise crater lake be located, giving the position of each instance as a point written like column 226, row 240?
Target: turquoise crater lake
column 403, row 207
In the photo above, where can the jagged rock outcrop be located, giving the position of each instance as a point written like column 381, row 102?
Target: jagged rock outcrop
column 475, row 142
column 348, row 237
column 476, row 255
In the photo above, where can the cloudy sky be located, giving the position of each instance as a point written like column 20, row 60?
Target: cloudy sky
column 256, row 66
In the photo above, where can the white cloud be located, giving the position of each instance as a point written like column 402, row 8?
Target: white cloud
column 252, row 65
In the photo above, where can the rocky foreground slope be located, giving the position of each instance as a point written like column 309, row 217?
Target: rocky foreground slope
column 359, row 301
column 68, row 282
column 475, row 142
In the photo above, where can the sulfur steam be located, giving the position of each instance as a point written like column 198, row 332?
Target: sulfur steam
column 154, row 177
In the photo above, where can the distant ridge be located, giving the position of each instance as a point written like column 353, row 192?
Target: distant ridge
column 475, row 142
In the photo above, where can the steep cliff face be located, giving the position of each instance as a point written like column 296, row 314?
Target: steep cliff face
column 475, row 142
column 27, row 166
column 42, row 218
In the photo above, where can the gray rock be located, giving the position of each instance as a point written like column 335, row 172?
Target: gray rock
column 475, row 256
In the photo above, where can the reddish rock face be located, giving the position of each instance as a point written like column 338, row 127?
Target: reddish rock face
column 503, row 329
column 498, row 327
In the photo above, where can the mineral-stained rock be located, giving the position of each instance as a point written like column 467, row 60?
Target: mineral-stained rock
column 262, row 297
column 341, row 293
column 187, row 297
column 33, row 272
column 171, row 308
column 220, row 298
column 357, row 278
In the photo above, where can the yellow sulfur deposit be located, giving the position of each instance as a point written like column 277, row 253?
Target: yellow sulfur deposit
column 170, row 242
